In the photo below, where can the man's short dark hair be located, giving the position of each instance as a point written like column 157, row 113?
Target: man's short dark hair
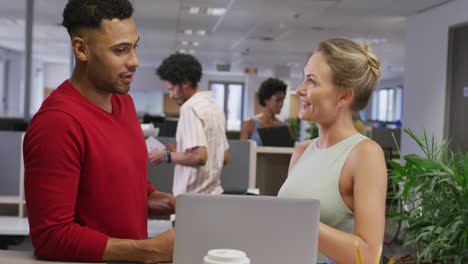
column 269, row 87
column 178, row 68
column 79, row 14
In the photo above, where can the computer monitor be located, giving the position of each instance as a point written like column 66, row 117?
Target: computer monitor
column 276, row 136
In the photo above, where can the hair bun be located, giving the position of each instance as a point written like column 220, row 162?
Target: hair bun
column 372, row 60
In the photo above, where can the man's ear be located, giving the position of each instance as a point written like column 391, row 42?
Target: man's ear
column 187, row 85
column 80, row 48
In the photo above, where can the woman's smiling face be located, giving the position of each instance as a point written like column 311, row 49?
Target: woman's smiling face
column 318, row 95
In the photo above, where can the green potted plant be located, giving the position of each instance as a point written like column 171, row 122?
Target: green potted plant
column 312, row 130
column 295, row 127
column 433, row 190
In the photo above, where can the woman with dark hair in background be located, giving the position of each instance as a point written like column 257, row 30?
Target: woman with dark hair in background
column 271, row 95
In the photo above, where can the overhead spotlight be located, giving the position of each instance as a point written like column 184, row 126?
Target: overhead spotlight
column 213, row 11
column 201, row 32
column 188, row 32
column 193, row 10
column 182, row 51
column 184, row 43
column 195, row 43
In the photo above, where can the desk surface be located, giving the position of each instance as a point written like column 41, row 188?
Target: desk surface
column 27, row 257
column 275, row 150
column 17, row 226
column 23, row 257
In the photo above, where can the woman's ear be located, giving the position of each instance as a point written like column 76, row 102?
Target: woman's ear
column 346, row 96
column 80, row 48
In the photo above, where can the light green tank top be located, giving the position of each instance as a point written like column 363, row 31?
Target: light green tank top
column 316, row 175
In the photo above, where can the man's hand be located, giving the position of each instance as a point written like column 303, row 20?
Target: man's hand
column 171, row 147
column 157, row 156
column 160, row 203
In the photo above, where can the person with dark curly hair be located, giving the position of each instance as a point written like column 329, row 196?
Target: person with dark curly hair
column 85, row 157
column 202, row 146
column 271, row 96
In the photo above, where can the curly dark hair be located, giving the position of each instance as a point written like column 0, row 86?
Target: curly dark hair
column 80, row 14
column 269, row 87
column 178, row 68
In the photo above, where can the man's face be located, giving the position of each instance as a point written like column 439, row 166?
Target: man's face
column 176, row 92
column 112, row 60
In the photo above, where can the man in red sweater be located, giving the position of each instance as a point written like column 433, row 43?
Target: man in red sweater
column 87, row 191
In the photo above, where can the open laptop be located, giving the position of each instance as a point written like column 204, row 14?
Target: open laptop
column 276, row 136
column 268, row 229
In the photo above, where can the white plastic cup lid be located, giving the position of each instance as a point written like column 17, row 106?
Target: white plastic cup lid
column 226, row 256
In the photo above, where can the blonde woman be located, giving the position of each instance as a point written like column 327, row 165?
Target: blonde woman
column 342, row 168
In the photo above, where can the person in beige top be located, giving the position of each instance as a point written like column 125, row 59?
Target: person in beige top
column 342, row 168
column 202, row 145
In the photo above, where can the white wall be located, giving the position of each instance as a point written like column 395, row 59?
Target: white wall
column 147, row 91
column 424, row 92
column 2, row 82
column 37, row 86
column 145, row 79
column 150, row 102
column 55, row 74
column 15, row 100
column 391, row 83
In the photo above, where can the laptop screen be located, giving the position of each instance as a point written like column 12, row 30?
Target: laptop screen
column 268, row 229
column 276, row 136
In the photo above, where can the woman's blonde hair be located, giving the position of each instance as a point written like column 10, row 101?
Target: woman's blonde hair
column 353, row 66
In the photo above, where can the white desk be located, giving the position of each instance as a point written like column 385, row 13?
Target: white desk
column 27, row 257
column 275, row 150
column 16, row 226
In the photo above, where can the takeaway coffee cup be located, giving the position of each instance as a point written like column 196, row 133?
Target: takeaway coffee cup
column 226, row 256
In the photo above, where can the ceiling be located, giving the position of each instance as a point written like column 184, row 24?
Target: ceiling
column 260, row 33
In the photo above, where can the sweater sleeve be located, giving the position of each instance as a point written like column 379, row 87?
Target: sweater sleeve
column 150, row 188
column 53, row 151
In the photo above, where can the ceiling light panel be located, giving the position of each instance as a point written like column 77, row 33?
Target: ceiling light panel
column 194, row 10
column 214, row 11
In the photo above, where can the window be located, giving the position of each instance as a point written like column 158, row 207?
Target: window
column 230, row 97
column 12, row 57
column 386, row 105
column 47, row 62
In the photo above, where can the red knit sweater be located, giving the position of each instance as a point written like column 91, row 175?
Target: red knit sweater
column 85, row 176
